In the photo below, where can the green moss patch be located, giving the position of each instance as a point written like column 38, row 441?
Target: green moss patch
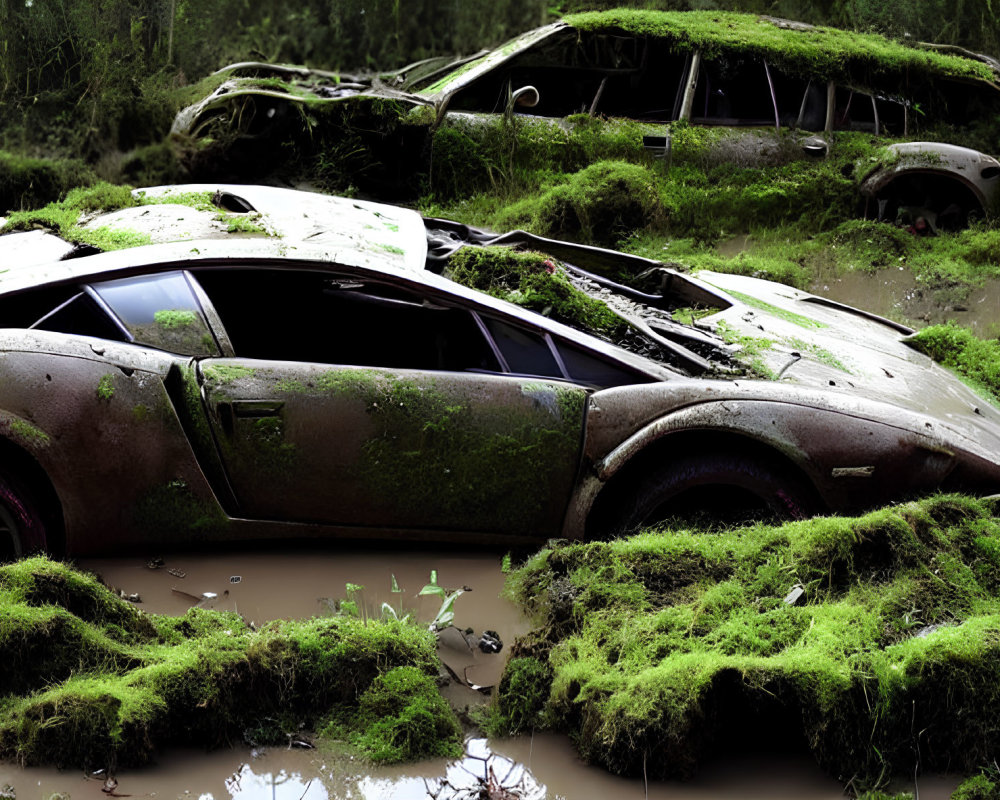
column 602, row 203
column 106, row 387
column 820, row 51
column 976, row 359
column 63, row 217
column 659, row 644
column 98, row 683
column 534, row 281
column 401, row 717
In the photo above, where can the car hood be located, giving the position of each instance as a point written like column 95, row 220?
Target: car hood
column 804, row 340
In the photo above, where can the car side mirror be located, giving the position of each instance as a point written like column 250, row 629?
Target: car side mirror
column 526, row 96
column 815, row 146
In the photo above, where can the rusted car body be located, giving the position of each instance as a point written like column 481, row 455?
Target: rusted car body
column 313, row 377
column 793, row 85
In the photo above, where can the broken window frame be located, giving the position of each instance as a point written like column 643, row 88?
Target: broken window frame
column 84, row 296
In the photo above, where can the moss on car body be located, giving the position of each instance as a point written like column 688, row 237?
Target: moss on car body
column 427, row 441
column 816, row 51
column 534, row 281
column 28, row 433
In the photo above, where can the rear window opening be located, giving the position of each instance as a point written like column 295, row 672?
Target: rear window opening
column 81, row 315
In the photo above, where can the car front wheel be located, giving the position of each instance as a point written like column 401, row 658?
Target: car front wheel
column 716, row 489
column 22, row 530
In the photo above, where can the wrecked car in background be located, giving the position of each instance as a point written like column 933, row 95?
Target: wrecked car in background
column 760, row 76
column 260, row 362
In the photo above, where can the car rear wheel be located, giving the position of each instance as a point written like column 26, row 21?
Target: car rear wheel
column 716, row 489
column 22, row 530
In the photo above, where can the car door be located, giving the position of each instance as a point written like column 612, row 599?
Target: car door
column 364, row 404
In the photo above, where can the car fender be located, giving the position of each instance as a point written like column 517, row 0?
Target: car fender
column 853, row 462
column 978, row 172
column 108, row 439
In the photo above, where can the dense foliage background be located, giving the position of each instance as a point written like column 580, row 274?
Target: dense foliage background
column 86, row 77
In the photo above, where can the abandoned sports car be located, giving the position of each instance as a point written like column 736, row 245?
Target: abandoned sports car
column 260, row 362
column 779, row 89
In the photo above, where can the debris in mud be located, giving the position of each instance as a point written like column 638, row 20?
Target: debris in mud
column 484, row 775
column 490, row 642
column 671, row 640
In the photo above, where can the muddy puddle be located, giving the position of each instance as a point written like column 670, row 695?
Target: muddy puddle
column 895, row 293
column 263, row 585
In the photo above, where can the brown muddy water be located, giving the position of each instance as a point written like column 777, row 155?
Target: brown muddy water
column 263, row 584
column 895, row 293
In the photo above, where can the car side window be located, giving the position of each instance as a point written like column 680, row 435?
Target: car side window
column 526, row 352
column 587, row 368
column 733, row 91
column 318, row 318
column 160, row 311
column 82, row 315
column 616, row 75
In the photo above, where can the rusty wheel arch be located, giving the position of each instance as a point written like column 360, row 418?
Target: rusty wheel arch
column 19, row 462
column 660, row 452
column 899, row 187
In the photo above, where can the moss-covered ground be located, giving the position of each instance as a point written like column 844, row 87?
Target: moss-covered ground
column 976, row 360
column 90, row 681
column 648, row 650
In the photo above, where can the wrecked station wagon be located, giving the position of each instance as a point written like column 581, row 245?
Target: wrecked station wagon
column 272, row 363
column 781, row 89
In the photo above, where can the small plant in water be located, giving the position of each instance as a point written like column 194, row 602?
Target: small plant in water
column 446, row 614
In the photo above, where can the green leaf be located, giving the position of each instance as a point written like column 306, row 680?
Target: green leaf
column 432, row 587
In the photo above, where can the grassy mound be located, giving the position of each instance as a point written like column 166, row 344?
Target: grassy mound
column 649, row 649
column 975, row 359
column 603, row 203
column 591, row 180
column 98, row 683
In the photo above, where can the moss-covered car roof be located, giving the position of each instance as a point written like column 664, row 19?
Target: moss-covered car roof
column 866, row 59
column 199, row 219
column 814, row 50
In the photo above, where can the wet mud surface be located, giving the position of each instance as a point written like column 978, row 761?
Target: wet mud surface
column 895, row 293
column 266, row 584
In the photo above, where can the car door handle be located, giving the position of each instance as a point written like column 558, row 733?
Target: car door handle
column 252, row 409
column 229, row 410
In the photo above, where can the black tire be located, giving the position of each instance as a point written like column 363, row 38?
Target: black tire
column 720, row 488
column 22, row 529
